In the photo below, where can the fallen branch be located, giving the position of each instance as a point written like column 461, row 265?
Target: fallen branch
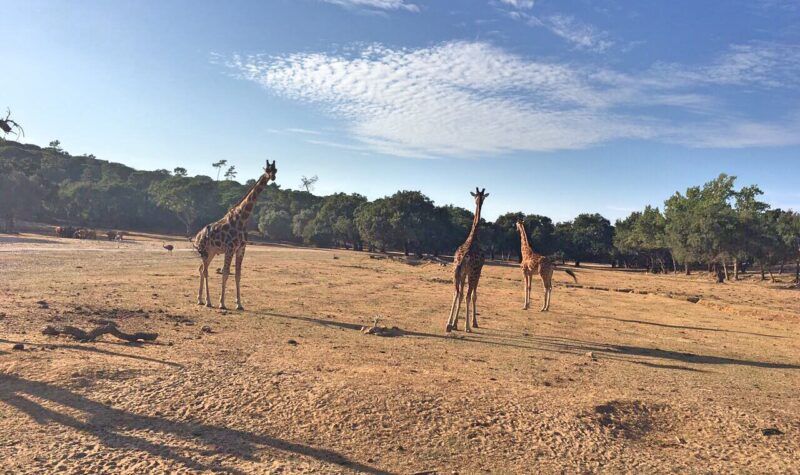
column 110, row 328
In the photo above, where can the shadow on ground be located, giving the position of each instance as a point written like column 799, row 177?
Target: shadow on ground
column 111, row 427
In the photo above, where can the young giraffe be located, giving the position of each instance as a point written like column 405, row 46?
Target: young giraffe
column 536, row 263
column 467, row 265
column 228, row 236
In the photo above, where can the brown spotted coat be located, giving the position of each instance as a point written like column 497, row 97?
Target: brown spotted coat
column 228, row 237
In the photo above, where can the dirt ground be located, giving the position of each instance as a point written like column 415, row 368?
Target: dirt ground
column 628, row 373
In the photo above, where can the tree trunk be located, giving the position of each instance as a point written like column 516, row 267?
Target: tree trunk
column 577, row 263
column 763, row 277
column 405, row 248
column 771, row 277
column 718, row 269
column 686, row 268
column 736, row 269
column 674, row 264
column 725, row 269
column 797, row 272
column 780, row 269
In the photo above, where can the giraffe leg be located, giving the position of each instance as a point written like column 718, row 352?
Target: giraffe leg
column 475, row 308
column 226, row 270
column 200, row 292
column 239, row 259
column 525, row 289
column 470, row 290
column 546, row 282
column 206, row 263
column 449, row 326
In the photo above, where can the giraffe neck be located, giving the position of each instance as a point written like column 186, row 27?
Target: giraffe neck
column 242, row 210
column 523, row 237
column 473, row 232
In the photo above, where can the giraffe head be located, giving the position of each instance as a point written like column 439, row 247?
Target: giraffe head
column 479, row 195
column 520, row 225
column 270, row 171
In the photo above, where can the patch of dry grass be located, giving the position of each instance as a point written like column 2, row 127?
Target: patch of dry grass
column 606, row 381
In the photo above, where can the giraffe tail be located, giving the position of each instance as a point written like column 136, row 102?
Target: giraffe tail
column 572, row 274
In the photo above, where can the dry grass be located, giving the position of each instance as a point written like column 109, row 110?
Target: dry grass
column 607, row 381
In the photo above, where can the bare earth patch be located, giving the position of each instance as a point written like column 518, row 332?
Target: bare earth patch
column 625, row 373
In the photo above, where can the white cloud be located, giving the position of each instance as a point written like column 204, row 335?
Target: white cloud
column 467, row 99
column 520, row 4
column 376, row 4
column 581, row 35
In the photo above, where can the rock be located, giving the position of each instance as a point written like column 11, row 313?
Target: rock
column 18, row 346
column 770, row 431
column 206, row 329
column 693, row 299
column 292, row 342
column 42, row 304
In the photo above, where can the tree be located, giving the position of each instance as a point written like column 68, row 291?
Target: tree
column 180, row 171
column 591, row 238
column 218, row 165
column 190, row 199
column 308, row 183
column 276, row 225
column 55, row 145
column 7, row 124
column 231, row 173
column 374, row 224
column 19, row 196
column 642, row 237
column 541, row 233
column 336, row 219
column 506, row 236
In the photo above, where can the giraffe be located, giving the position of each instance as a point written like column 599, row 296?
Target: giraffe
column 533, row 263
column 228, row 236
column 467, row 265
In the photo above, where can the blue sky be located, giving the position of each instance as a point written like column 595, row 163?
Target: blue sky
column 555, row 107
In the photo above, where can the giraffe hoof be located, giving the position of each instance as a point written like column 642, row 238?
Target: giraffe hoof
column 200, row 302
column 474, row 324
column 468, row 330
column 208, row 305
column 448, row 328
column 222, row 307
column 239, row 307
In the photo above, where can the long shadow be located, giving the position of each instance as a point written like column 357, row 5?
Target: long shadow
column 110, row 425
column 92, row 349
column 685, row 327
column 24, row 240
column 571, row 346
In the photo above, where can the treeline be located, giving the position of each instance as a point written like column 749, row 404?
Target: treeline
column 710, row 225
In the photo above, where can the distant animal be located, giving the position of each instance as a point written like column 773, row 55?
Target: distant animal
column 83, row 233
column 533, row 263
column 7, row 125
column 114, row 235
column 65, row 231
column 168, row 247
column 467, row 265
column 228, row 236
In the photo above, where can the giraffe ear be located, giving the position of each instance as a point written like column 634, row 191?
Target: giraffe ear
column 473, row 194
column 486, row 196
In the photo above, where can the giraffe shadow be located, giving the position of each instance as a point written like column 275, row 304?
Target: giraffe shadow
column 568, row 346
column 115, row 428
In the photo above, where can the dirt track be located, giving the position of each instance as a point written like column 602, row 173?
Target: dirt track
column 606, row 382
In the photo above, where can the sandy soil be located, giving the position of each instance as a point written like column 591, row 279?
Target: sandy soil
column 641, row 380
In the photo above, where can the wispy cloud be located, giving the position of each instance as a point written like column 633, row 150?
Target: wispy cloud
column 467, row 99
column 519, row 4
column 376, row 4
column 579, row 34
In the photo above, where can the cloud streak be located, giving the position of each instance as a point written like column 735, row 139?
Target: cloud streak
column 468, row 99
column 376, row 4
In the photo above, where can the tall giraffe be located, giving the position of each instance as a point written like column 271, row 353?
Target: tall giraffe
column 467, row 265
column 228, row 236
column 536, row 263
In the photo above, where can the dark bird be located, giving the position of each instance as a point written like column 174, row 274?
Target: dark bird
column 168, row 247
